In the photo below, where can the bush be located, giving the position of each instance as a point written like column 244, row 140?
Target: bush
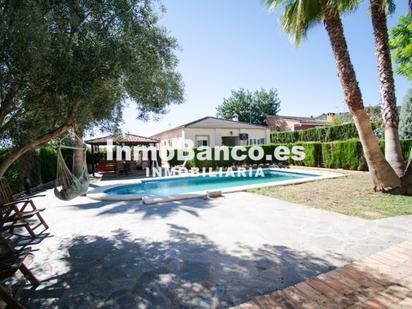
column 38, row 165
column 346, row 154
column 313, row 154
column 320, row 134
column 48, row 163
column 405, row 117
column 406, row 146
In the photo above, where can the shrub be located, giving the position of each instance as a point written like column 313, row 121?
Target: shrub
column 344, row 154
column 38, row 165
column 405, row 117
column 313, row 154
column 406, row 146
column 48, row 163
column 320, row 134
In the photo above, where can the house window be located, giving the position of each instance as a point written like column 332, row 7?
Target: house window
column 202, row 140
column 262, row 140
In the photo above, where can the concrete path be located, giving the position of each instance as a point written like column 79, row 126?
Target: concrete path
column 194, row 253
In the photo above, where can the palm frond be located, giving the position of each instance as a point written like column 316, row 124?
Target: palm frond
column 271, row 5
column 299, row 16
column 389, row 6
column 344, row 5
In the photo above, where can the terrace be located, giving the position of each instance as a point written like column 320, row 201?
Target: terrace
column 203, row 253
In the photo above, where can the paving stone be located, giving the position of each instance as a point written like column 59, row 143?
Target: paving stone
column 218, row 252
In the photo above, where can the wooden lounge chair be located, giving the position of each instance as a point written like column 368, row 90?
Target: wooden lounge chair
column 16, row 213
column 10, row 262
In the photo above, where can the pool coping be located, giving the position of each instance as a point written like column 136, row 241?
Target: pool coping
column 100, row 194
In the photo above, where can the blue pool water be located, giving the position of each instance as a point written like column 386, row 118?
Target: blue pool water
column 174, row 186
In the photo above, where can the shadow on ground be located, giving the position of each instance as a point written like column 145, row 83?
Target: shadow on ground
column 162, row 210
column 186, row 271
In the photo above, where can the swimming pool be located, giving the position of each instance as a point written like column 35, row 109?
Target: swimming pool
column 174, row 186
column 179, row 187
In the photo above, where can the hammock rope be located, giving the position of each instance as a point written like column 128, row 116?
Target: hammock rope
column 67, row 185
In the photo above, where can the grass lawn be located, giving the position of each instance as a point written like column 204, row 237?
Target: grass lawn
column 351, row 195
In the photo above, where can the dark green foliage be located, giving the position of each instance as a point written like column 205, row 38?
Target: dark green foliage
column 76, row 63
column 401, row 46
column 406, row 146
column 313, row 154
column 48, row 159
column 321, row 134
column 13, row 176
column 38, row 165
column 405, row 117
column 251, row 107
column 346, row 154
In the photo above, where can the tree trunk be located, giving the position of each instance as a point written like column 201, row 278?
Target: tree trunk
column 393, row 152
column 382, row 174
column 78, row 154
column 13, row 154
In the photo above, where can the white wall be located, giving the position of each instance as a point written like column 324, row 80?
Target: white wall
column 175, row 138
column 215, row 135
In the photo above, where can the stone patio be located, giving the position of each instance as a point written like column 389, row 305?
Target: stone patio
column 380, row 281
column 196, row 253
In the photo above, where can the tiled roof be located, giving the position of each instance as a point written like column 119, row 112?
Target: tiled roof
column 273, row 122
column 305, row 120
column 122, row 138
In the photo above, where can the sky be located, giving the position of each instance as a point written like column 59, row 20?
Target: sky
column 231, row 44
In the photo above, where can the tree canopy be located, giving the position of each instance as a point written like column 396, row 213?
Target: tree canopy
column 401, row 45
column 251, row 107
column 71, row 64
column 405, row 119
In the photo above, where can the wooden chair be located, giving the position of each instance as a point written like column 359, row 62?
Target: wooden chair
column 16, row 213
column 10, row 262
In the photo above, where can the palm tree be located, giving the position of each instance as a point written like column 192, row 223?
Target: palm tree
column 393, row 152
column 298, row 16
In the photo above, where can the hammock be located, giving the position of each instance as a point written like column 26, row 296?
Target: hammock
column 67, row 185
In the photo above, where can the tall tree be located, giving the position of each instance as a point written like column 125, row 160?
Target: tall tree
column 297, row 17
column 251, row 107
column 66, row 64
column 390, row 118
column 401, row 46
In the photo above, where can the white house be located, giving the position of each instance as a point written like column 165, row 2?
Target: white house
column 212, row 131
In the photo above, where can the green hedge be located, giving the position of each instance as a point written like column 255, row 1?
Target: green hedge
column 346, row 154
column 38, row 165
column 320, row 134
